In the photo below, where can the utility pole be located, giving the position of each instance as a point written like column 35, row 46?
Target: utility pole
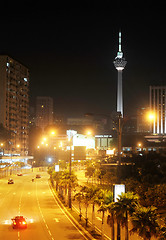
column 70, row 159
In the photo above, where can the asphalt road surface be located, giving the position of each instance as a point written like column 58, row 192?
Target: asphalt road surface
column 35, row 201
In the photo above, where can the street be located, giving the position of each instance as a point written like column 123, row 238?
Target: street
column 35, row 201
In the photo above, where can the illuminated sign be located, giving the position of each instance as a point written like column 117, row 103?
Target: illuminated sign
column 103, row 136
column 118, row 190
column 110, row 152
column 56, row 168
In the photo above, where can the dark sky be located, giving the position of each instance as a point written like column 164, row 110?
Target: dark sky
column 69, row 48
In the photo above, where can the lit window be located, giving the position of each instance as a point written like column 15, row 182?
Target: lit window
column 25, row 79
column 8, row 64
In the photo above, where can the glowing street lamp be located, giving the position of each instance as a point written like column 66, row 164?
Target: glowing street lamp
column 52, row 133
column 139, row 144
column 151, row 116
column 2, row 148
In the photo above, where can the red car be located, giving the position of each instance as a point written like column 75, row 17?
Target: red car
column 19, row 222
column 19, row 174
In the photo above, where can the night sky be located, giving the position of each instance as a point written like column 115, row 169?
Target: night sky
column 69, row 48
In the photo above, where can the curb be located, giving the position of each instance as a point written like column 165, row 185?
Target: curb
column 79, row 226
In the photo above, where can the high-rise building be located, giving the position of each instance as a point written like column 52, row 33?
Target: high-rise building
column 44, row 112
column 143, row 124
column 14, row 102
column 120, row 64
column 158, row 107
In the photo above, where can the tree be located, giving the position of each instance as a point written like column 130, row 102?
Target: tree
column 104, row 199
column 86, row 200
column 67, row 180
column 79, row 198
column 93, row 195
column 145, row 222
column 124, row 207
column 90, row 172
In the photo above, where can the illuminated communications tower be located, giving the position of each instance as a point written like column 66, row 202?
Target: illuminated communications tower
column 120, row 64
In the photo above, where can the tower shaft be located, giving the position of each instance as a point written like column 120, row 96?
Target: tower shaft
column 119, row 93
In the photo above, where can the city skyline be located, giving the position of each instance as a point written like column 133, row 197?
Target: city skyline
column 69, row 51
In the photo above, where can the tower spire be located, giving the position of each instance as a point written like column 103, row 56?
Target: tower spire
column 120, row 41
column 120, row 53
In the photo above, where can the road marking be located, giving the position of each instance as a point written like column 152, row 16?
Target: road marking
column 18, row 235
column 56, row 219
column 99, row 218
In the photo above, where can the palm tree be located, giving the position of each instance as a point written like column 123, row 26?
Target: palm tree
column 93, row 195
column 79, row 197
column 124, row 207
column 56, row 177
column 111, row 220
column 104, row 199
column 86, row 200
column 145, row 222
column 67, row 180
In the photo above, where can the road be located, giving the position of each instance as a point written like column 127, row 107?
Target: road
column 35, row 201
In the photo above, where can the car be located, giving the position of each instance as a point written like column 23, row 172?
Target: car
column 19, row 174
column 10, row 181
column 38, row 176
column 19, row 222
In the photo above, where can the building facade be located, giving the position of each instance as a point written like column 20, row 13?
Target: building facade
column 158, row 107
column 14, row 103
column 44, row 112
column 143, row 124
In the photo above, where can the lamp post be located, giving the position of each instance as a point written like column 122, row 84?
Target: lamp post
column 70, row 159
column 2, row 147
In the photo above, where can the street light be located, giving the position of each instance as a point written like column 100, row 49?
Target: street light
column 2, row 148
column 151, row 116
column 70, row 159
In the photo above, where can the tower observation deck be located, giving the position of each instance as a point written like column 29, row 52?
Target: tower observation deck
column 120, row 64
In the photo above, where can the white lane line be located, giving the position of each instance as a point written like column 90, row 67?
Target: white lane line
column 18, row 235
column 56, row 219
column 52, row 238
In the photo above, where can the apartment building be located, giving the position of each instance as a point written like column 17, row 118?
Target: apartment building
column 14, row 103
